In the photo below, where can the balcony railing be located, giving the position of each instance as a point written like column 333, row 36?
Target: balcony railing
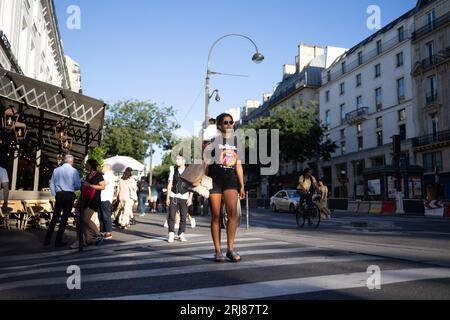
column 431, row 27
column 431, row 97
column 357, row 115
column 429, row 62
column 440, row 136
column 386, row 45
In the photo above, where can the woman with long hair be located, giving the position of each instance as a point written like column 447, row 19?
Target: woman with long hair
column 92, row 188
column 228, row 185
column 127, row 189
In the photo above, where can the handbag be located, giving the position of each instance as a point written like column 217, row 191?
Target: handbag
column 193, row 174
column 133, row 193
column 88, row 193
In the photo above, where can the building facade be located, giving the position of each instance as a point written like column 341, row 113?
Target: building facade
column 366, row 98
column 299, row 88
column 41, row 118
column 30, row 41
column 74, row 70
column 431, row 76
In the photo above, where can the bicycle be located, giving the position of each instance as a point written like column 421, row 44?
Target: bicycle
column 308, row 211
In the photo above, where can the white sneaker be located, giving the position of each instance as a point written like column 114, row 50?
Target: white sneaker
column 166, row 225
column 182, row 237
column 171, row 237
column 193, row 224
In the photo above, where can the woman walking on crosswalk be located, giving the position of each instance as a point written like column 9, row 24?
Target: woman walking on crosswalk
column 228, row 185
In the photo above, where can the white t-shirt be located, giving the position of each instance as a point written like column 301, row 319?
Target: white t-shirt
column 183, row 196
column 108, row 193
column 3, row 176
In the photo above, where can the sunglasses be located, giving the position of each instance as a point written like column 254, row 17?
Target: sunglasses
column 228, row 123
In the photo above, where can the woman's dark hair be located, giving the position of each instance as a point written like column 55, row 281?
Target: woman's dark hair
column 307, row 170
column 127, row 174
column 220, row 118
column 93, row 164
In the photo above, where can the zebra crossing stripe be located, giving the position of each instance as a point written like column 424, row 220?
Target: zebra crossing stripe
column 296, row 286
column 166, row 259
column 201, row 268
column 113, row 253
column 88, row 249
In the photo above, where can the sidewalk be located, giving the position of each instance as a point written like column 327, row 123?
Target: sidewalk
column 18, row 242
column 31, row 241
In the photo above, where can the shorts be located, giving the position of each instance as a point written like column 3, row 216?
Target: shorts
column 226, row 180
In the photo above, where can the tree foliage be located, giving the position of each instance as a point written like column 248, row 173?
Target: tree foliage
column 301, row 134
column 162, row 171
column 131, row 125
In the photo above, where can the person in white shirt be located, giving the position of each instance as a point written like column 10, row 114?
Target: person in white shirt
column 107, row 195
column 177, row 199
column 4, row 184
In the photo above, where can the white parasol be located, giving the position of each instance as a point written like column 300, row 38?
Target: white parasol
column 120, row 163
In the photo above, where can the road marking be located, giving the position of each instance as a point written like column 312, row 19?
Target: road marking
column 202, row 268
column 60, row 253
column 112, row 254
column 268, row 289
column 165, row 259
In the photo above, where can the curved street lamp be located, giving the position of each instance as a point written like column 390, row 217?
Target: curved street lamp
column 257, row 58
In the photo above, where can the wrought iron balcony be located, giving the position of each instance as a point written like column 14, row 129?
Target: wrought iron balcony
column 356, row 116
column 441, row 136
column 430, row 27
column 336, row 72
column 431, row 97
column 429, row 62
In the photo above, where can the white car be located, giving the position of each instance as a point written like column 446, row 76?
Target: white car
column 284, row 200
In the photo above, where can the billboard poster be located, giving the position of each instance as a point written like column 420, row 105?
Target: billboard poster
column 374, row 187
column 417, row 187
column 391, row 187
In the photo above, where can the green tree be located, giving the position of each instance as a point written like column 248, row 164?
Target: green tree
column 162, row 171
column 301, row 134
column 131, row 126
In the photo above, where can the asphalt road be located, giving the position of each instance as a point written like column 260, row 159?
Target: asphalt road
column 410, row 257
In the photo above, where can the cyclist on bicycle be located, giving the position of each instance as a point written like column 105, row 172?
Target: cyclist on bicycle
column 307, row 185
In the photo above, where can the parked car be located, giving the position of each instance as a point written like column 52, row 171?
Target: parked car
column 284, row 200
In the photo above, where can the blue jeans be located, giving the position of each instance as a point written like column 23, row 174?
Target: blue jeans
column 142, row 202
column 104, row 216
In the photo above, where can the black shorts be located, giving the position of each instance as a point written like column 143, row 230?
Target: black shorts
column 225, row 180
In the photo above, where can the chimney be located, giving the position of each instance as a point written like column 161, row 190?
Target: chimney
column 288, row 69
column 306, row 54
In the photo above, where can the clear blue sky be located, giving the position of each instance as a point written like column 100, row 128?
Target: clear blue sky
column 157, row 49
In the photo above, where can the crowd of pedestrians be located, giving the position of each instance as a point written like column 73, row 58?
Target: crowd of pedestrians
column 113, row 200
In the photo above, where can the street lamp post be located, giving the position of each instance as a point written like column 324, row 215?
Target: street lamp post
column 257, row 58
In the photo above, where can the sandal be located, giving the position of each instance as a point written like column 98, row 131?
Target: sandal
column 233, row 256
column 219, row 257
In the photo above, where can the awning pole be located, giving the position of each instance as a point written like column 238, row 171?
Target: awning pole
column 15, row 168
column 37, row 170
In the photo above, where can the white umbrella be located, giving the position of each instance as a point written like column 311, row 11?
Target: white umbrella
column 120, row 163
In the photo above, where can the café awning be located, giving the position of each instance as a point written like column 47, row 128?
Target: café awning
column 40, row 106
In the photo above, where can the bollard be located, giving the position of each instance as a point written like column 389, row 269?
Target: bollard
column 247, row 208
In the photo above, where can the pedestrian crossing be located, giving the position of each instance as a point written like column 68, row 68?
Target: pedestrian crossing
column 152, row 269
